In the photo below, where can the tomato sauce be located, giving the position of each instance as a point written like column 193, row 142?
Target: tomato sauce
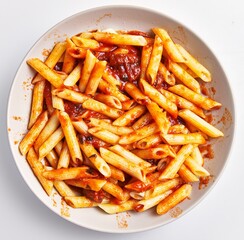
column 125, row 66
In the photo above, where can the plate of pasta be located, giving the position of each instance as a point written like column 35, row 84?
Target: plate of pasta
column 120, row 124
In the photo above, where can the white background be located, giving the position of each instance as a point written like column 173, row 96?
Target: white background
column 219, row 216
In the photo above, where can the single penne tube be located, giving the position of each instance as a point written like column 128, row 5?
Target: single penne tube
column 88, row 66
column 145, row 57
column 169, row 45
column 112, row 208
column 178, row 129
column 174, row 165
column 122, row 164
column 155, row 59
column 162, row 187
column 31, row 136
column 107, row 76
column 194, row 65
column 104, row 135
column 182, row 102
column 69, row 61
column 130, row 116
column 98, row 162
column 200, row 123
column 113, row 189
column 174, row 198
column 159, row 152
column 95, row 77
column 117, row 173
column 149, row 142
column 80, row 126
column 70, row 95
column 52, row 158
column 58, row 147
column 181, row 139
column 63, row 189
column 37, row 102
column 38, row 169
column 167, row 75
column 79, row 202
column 139, row 134
column 85, row 42
column 187, row 175
column 159, row 117
column 184, row 76
column 51, row 125
column 97, row 106
column 139, row 186
column 46, row 72
column 142, row 121
column 128, row 104
column 77, row 52
column 146, row 204
column 129, row 156
column 67, row 173
column 74, row 76
column 120, row 39
column 186, row 68
column 52, row 59
column 157, row 97
column 64, row 157
column 57, row 102
column 196, row 168
column 198, row 99
column 136, row 94
column 110, row 127
column 94, row 184
column 109, row 89
column 70, row 136
column 109, row 100
column 197, row 156
column 50, row 142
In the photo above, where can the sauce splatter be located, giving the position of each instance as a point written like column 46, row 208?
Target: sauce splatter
column 204, row 181
column 104, row 16
column 64, row 211
column 45, row 52
column 175, row 212
column 17, row 118
column 121, row 219
column 207, row 151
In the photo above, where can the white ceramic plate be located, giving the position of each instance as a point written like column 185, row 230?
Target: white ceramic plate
column 120, row 18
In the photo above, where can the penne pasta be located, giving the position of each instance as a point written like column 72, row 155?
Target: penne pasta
column 38, row 169
column 155, row 59
column 139, row 134
column 79, row 202
column 129, row 116
column 120, row 39
column 172, row 168
column 74, row 76
column 181, row 139
column 145, row 58
column 169, row 45
column 29, row 139
column 37, row 102
column 70, row 136
column 122, row 164
column 159, row 152
column 94, row 105
column 109, row 100
column 173, row 199
column 98, row 162
column 194, row 65
column 198, row 99
column 67, row 173
column 200, row 123
column 95, row 77
column 158, row 98
column 46, row 72
column 184, row 76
